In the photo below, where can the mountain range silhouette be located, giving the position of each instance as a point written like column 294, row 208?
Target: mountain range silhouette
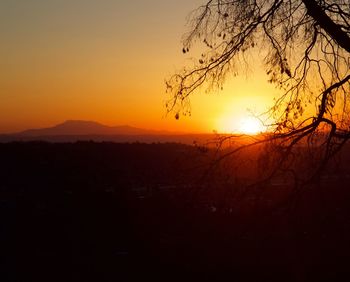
column 82, row 127
column 81, row 130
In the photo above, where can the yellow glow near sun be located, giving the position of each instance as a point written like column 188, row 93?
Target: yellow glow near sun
column 251, row 125
column 245, row 125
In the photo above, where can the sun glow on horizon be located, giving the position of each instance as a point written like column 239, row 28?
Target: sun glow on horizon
column 251, row 125
column 245, row 125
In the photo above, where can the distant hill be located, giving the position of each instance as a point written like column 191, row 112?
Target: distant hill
column 81, row 127
column 74, row 130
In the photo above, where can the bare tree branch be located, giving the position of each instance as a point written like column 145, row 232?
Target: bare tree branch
column 306, row 47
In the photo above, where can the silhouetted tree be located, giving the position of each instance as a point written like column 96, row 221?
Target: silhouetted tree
column 305, row 46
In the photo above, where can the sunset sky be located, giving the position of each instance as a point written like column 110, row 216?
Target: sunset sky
column 107, row 60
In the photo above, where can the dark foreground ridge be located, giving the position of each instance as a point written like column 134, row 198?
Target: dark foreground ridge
column 130, row 212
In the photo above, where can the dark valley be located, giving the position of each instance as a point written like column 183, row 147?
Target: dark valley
column 90, row 211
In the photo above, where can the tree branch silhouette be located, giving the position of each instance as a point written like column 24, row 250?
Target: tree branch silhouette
column 304, row 46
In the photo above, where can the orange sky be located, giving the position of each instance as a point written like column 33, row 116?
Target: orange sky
column 107, row 61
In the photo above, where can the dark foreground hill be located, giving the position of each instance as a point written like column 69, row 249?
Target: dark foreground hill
column 129, row 212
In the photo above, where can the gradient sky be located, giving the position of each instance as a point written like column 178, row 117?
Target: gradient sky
column 106, row 60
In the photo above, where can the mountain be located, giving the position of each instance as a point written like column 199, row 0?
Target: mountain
column 80, row 130
column 81, row 127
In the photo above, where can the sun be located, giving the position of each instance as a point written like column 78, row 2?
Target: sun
column 235, row 124
column 251, row 125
